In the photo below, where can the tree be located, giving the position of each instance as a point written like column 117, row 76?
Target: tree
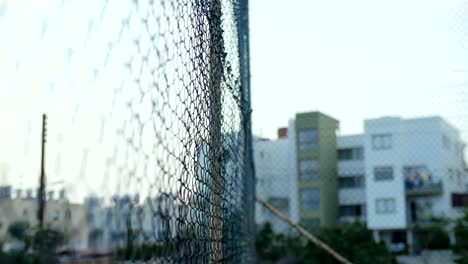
column 19, row 230
column 39, row 245
column 270, row 246
column 353, row 241
column 461, row 236
column 436, row 238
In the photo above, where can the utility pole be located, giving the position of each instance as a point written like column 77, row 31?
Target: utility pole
column 42, row 188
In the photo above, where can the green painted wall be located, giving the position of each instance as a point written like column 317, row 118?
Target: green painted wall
column 325, row 153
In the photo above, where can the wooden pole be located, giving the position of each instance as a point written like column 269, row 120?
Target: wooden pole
column 304, row 232
column 216, row 47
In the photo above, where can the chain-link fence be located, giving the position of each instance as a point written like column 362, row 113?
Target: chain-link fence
column 145, row 142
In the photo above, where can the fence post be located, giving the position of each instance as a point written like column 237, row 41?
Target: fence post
column 216, row 47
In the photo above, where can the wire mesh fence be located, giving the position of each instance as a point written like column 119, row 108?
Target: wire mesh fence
column 146, row 138
column 395, row 192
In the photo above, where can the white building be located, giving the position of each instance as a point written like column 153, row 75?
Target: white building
column 59, row 214
column 351, row 179
column 276, row 180
column 413, row 167
column 397, row 176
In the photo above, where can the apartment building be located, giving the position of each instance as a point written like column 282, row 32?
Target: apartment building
column 297, row 171
column 60, row 214
column 396, row 176
column 276, row 179
column 413, row 168
column 351, row 179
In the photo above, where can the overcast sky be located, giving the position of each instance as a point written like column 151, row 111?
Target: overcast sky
column 358, row 59
column 349, row 59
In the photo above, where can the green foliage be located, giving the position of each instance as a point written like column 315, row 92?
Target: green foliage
column 271, row 246
column 47, row 240
column 39, row 246
column 461, row 236
column 436, row 238
column 19, row 230
column 353, row 241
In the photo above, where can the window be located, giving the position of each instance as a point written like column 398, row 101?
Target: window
column 355, row 181
column 25, row 212
column 384, row 173
column 350, row 210
column 350, row 154
column 358, row 153
column 308, row 138
column 310, row 198
column 382, row 141
column 309, row 169
column 459, row 200
column 385, row 206
column 345, row 154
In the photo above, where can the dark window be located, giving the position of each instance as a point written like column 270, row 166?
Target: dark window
column 310, row 198
column 345, row 154
column 355, row 181
column 459, row 199
column 309, row 169
column 350, row 210
column 350, row 154
column 308, row 138
column 384, row 173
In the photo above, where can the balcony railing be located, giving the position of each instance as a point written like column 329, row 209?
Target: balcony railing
column 431, row 188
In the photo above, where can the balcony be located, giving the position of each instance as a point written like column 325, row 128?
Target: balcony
column 419, row 181
column 351, row 219
column 423, row 189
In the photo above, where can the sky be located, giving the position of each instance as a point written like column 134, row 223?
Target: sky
column 358, row 59
column 350, row 59
column 78, row 62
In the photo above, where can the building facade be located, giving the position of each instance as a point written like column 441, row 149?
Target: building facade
column 276, row 180
column 413, row 167
column 397, row 176
column 297, row 172
column 351, row 179
column 60, row 215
